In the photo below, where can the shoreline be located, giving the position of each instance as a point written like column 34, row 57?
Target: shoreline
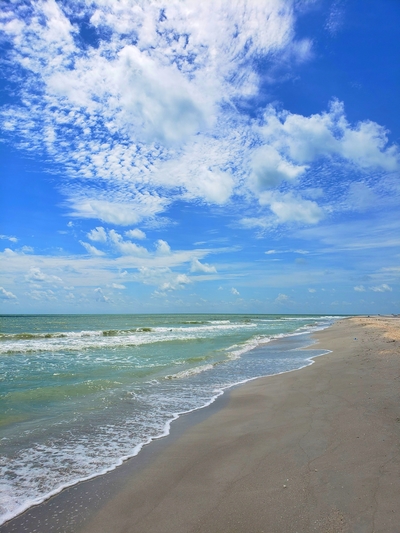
column 162, row 463
column 185, row 419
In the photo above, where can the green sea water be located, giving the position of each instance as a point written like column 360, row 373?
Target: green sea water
column 81, row 393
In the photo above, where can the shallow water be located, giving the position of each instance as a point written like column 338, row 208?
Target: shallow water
column 81, row 393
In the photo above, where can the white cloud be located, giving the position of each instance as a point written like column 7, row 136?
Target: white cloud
column 126, row 247
column 163, row 278
column 202, row 267
column 177, row 282
column 9, row 238
column 282, row 299
column 6, row 295
column 121, row 265
column 382, row 288
column 163, row 247
column 130, row 109
column 135, row 234
column 149, row 115
column 98, row 234
column 91, row 249
column 9, row 253
column 335, row 18
column 306, row 139
column 47, row 295
column 262, row 223
column 118, row 286
column 360, row 288
column 290, row 208
column 142, row 206
column 35, row 275
column 269, row 168
column 271, row 252
column 312, row 290
column 27, row 250
column 235, row 292
column 361, row 197
column 213, row 186
column 100, row 297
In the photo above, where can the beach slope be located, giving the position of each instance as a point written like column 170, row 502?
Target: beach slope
column 316, row 449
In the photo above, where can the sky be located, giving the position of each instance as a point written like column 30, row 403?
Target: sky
column 219, row 156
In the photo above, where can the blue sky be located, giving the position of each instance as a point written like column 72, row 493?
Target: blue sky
column 184, row 156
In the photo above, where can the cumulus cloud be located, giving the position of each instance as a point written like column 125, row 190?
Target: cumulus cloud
column 360, row 288
column 290, row 208
column 126, row 247
column 138, row 99
column 269, row 168
column 213, row 186
column 6, row 295
column 148, row 108
column 306, row 139
column 98, row 234
column 91, row 249
column 163, row 247
column 235, row 292
column 135, row 234
column 35, row 275
column 202, row 267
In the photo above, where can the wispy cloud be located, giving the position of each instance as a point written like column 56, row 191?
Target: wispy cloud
column 336, row 17
column 382, row 288
column 6, row 295
column 8, row 238
column 91, row 249
column 360, row 288
column 149, row 119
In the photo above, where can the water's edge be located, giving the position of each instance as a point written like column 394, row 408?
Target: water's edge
column 88, row 498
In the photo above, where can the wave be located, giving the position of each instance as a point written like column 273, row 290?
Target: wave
column 191, row 371
column 72, row 334
column 114, row 443
column 96, row 339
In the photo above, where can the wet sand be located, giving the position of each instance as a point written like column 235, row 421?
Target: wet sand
column 316, row 449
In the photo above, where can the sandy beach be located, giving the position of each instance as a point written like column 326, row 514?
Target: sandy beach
column 317, row 449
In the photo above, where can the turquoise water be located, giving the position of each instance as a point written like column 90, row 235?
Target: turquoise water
column 81, row 393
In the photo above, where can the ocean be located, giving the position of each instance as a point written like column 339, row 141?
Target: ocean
column 82, row 393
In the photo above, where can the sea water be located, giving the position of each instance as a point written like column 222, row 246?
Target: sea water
column 81, row 393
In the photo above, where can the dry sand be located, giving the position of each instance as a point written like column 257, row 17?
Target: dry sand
column 312, row 450
column 316, row 449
